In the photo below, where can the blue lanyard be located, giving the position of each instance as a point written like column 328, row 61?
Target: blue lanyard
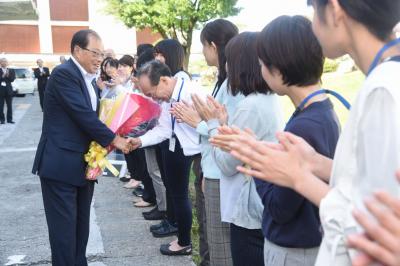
column 312, row 95
column 179, row 97
column 379, row 55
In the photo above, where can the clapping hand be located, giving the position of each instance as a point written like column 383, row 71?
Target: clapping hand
column 380, row 242
column 283, row 164
column 210, row 109
column 184, row 112
column 228, row 135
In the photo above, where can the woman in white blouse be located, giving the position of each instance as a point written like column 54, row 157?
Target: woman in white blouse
column 368, row 152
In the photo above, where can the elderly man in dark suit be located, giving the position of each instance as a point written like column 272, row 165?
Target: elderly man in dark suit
column 70, row 123
column 42, row 75
column 7, row 76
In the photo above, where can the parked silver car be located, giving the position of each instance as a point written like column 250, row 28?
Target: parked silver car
column 25, row 82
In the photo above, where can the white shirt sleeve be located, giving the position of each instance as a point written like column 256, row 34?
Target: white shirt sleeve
column 162, row 131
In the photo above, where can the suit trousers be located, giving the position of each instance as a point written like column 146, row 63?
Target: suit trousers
column 155, row 174
column 67, row 210
column 41, row 94
column 7, row 98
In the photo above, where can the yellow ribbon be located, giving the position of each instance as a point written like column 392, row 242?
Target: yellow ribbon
column 96, row 157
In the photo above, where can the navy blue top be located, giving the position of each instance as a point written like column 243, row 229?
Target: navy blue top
column 290, row 220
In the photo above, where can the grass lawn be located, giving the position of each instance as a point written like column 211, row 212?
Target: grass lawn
column 346, row 84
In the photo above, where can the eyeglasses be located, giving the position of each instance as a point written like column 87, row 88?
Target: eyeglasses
column 95, row 53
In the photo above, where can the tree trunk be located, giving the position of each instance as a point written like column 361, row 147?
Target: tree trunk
column 187, row 49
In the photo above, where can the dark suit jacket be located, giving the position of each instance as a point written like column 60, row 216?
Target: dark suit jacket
column 42, row 79
column 69, row 125
column 7, row 89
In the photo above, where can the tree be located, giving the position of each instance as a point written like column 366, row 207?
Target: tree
column 175, row 19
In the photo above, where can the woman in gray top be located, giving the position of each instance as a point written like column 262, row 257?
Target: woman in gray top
column 260, row 112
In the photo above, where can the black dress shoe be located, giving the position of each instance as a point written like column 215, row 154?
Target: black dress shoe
column 138, row 192
column 155, row 227
column 2, row 122
column 152, row 210
column 166, row 230
column 11, row 122
column 154, row 215
column 164, row 249
column 124, row 179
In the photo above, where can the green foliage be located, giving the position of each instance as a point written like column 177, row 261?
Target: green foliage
column 174, row 19
column 330, row 65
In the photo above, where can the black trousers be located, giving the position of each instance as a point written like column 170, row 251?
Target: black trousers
column 247, row 246
column 4, row 97
column 177, row 171
column 67, row 209
column 136, row 163
column 41, row 94
column 170, row 204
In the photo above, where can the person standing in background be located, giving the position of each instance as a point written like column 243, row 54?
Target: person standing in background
column 7, row 76
column 42, row 75
column 62, row 59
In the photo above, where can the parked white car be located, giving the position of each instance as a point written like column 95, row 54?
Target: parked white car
column 25, row 82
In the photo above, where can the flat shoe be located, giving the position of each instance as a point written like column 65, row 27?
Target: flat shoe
column 136, row 200
column 164, row 249
column 132, row 184
column 143, row 204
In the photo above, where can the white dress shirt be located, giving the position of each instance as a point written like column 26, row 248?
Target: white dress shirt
column 88, row 81
column 187, row 136
column 366, row 158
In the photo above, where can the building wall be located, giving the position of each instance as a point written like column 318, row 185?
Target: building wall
column 60, row 19
column 147, row 36
column 19, row 38
column 69, row 10
column 62, row 36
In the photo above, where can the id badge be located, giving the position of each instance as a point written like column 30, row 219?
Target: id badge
column 3, row 84
column 172, row 144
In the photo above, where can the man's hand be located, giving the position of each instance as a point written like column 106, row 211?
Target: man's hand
column 122, row 144
column 135, row 143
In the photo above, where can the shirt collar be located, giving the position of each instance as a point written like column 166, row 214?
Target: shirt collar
column 175, row 93
column 85, row 74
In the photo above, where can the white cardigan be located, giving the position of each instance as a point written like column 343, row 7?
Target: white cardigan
column 367, row 156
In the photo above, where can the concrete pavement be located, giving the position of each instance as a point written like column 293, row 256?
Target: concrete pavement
column 119, row 234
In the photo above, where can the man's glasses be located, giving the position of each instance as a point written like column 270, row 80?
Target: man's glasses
column 95, row 53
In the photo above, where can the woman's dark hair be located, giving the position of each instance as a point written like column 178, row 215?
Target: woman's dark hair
column 81, row 39
column 143, row 47
column 173, row 53
column 219, row 32
column 289, row 45
column 145, row 57
column 244, row 72
column 127, row 60
column 112, row 62
column 378, row 16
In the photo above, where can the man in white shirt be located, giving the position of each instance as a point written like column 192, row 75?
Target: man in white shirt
column 179, row 143
column 7, row 76
column 42, row 75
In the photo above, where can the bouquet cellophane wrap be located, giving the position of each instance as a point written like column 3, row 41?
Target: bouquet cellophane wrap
column 129, row 114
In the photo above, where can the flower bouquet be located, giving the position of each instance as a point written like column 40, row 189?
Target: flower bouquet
column 129, row 114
